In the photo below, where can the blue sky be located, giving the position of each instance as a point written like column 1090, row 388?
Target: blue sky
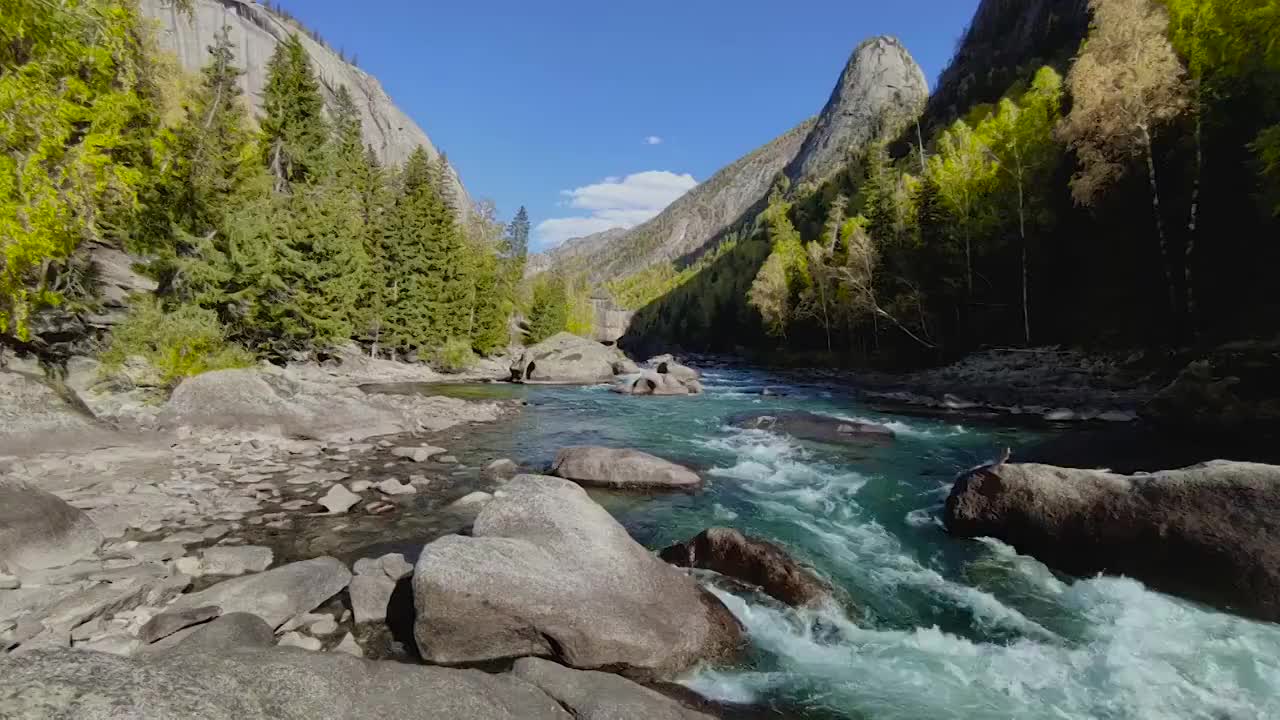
column 595, row 114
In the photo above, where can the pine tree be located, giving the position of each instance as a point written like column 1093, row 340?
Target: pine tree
column 294, row 130
column 549, row 312
column 431, row 298
column 517, row 242
column 208, row 156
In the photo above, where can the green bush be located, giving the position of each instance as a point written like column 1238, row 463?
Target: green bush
column 179, row 343
column 453, row 357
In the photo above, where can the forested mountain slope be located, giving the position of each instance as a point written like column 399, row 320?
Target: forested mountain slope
column 1104, row 173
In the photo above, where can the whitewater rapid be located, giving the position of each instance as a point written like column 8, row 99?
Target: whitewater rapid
column 1040, row 646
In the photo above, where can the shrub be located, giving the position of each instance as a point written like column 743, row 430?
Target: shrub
column 453, row 357
column 179, row 343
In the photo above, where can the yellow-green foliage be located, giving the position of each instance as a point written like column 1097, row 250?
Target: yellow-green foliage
column 76, row 107
column 637, row 290
column 179, row 343
column 581, row 313
column 453, row 356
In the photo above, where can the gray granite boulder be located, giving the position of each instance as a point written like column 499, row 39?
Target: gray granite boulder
column 591, row 695
column 1207, row 532
column 275, row 595
column 547, row 572
column 39, row 530
column 227, row 670
column 621, row 468
column 566, row 358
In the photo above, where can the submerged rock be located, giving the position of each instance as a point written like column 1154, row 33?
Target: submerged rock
column 547, row 572
column 39, row 530
column 815, row 427
column 756, row 562
column 652, row 383
column 621, row 468
column 227, row 670
column 1206, row 531
column 591, row 695
column 566, row 358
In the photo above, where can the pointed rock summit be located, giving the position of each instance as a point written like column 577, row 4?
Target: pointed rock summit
column 880, row 85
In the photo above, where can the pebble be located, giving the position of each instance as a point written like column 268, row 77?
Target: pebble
column 185, row 537
column 236, row 560
column 395, row 566
column 360, row 486
column 450, row 459
column 349, row 646
column 418, row 454
column 327, row 626
column 298, row 640
column 339, row 499
column 214, row 532
column 391, row 486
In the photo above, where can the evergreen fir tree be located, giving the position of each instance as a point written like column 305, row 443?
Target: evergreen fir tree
column 294, row 130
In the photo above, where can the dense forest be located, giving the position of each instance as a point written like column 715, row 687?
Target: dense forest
column 273, row 237
column 1119, row 190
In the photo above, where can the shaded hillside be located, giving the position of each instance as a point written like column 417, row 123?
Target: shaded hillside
column 1004, row 43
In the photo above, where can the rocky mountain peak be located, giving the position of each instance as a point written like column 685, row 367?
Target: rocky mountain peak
column 881, row 84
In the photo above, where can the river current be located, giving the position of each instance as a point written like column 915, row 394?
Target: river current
column 939, row 627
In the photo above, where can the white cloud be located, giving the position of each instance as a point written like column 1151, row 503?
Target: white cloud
column 653, row 140
column 614, row 202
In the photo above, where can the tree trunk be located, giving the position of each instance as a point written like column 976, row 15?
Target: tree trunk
column 1022, row 232
column 1189, row 248
column 1160, row 234
column 920, row 141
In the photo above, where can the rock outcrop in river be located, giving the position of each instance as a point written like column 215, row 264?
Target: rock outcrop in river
column 568, row 359
column 622, row 468
column 756, row 562
column 549, row 573
column 1207, row 532
column 817, row 428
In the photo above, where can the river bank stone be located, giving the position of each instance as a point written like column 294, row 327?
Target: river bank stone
column 228, row 671
column 548, row 572
column 753, row 561
column 1205, row 532
column 275, row 595
column 591, row 695
column 39, row 530
column 621, row 468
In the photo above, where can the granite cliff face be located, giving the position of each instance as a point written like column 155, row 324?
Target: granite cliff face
column 256, row 31
column 881, row 86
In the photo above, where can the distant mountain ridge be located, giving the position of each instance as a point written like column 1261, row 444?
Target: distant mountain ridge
column 880, row 83
column 256, row 31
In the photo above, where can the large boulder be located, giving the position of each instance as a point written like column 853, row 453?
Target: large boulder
column 1232, row 391
column 275, row 595
column 1208, row 531
column 547, row 572
column 266, row 397
column 31, row 409
column 653, row 383
column 667, row 365
column 39, row 530
column 566, row 358
column 755, row 562
column 591, row 695
column 228, row 670
column 817, row 428
column 621, row 468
